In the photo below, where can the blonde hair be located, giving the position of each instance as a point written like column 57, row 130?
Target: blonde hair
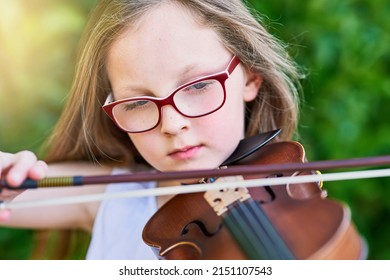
column 84, row 132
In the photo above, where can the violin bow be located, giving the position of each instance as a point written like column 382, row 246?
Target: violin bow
column 231, row 171
column 201, row 173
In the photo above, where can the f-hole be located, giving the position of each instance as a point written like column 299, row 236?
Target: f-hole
column 269, row 191
column 202, row 228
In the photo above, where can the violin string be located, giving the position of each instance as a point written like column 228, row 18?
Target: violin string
column 277, row 244
column 244, row 236
column 352, row 175
column 264, row 243
column 251, row 218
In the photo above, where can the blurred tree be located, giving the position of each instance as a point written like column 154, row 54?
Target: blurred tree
column 38, row 47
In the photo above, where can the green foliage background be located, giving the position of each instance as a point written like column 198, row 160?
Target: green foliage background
column 343, row 46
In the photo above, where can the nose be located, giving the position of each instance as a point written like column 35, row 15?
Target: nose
column 172, row 122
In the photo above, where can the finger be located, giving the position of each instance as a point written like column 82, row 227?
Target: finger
column 7, row 160
column 21, row 165
column 4, row 161
column 38, row 171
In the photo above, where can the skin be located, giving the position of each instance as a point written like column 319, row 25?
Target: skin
column 17, row 167
column 166, row 49
column 175, row 50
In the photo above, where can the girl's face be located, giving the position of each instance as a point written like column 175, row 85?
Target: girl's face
column 166, row 49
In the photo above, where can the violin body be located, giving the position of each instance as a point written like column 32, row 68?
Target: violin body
column 310, row 225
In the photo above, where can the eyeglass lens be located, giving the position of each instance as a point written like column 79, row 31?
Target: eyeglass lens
column 194, row 100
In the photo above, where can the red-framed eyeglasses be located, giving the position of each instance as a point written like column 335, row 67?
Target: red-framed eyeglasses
column 194, row 99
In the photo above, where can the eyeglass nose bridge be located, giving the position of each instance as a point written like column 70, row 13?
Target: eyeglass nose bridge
column 169, row 100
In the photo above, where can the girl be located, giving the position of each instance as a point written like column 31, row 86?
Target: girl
column 180, row 83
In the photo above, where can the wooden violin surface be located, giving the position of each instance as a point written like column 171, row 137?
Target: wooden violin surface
column 311, row 225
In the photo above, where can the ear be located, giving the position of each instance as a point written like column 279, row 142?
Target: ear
column 253, row 82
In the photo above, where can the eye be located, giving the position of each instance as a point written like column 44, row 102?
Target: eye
column 200, row 86
column 128, row 106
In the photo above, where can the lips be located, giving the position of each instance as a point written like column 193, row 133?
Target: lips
column 185, row 153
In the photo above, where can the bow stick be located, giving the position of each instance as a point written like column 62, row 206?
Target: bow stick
column 196, row 174
column 231, row 171
column 200, row 188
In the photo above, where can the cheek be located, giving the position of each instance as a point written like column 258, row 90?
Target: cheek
column 144, row 144
column 234, row 108
column 227, row 124
column 232, row 118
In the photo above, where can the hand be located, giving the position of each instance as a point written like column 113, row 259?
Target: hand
column 15, row 168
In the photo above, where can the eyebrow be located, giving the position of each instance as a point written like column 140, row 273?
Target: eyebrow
column 187, row 74
column 195, row 71
column 130, row 91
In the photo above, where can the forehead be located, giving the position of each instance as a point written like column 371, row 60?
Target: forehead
column 166, row 33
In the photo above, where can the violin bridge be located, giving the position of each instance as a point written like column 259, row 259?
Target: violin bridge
column 220, row 199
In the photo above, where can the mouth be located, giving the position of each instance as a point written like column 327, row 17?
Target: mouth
column 185, row 153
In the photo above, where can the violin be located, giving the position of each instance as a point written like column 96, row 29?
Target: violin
column 276, row 209
column 288, row 221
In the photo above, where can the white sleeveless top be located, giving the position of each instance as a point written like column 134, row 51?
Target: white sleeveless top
column 117, row 230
